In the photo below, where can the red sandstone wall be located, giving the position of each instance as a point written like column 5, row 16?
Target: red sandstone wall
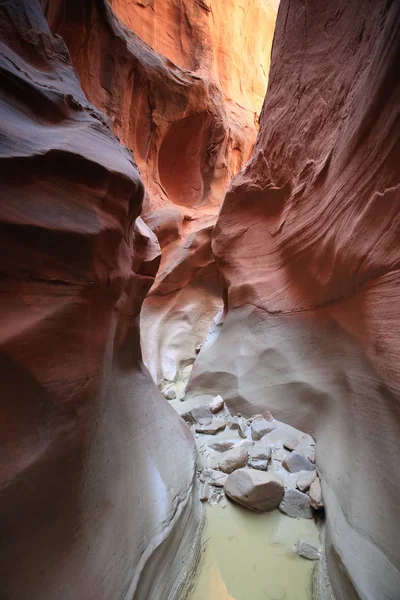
column 307, row 243
column 87, row 493
column 189, row 131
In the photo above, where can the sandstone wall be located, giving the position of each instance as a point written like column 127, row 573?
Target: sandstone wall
column 171, row 104
column 307, row 243
column 96, row 469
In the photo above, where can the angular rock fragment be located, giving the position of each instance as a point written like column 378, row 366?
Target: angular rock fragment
column 295, row 504
column 260, row 451
column 308, row 550
column 308, row 452
column 297, row 462
column 267, row 416
column 260, row 427
column 304, row 479
column 213, row 477
column 258, row 463
column 256, row 490
column 240, row 424
column 216, row 404
column 232, row 459
column 290, row 443
column 222, row 445
column 315, row 494
column 251, row 419
column 204, row 492
column 211, row 428
column 198, row 414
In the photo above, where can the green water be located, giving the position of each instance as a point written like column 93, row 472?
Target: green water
column 248, row 556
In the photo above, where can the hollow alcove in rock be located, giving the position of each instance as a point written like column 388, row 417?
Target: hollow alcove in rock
column 184, row 162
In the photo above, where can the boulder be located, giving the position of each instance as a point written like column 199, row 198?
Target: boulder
column 216, row 404
column 304, row 479
column 211, row 428
column 232, row 459
column 308, row 550
column 295, row 504
column 297, row 462
column 315, row 494
column 213, row 477
column 256, row 490
column 198, row 414
column 260, row 427
column 238, row 423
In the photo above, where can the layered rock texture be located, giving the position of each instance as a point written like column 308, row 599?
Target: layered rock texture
column 96, row 469
column 182, row 83
column 307, row 243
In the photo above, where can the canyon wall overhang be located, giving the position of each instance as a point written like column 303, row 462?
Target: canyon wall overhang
column 96, row 470
column 307, row 243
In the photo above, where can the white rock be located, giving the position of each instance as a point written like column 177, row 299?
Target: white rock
column 204, row 492
column 308, row 452
column 211, row 428
column 256, row 490
column 290, row 443
column 267, row 416
column 216, row 404
column 219, row 318
column 295, row 504
column 170, row 393
column 308, row 550
column 257, row 463
column 304, row 479
column 260, row 452
column 216, row 478
column 238, row 423
column 296, row 462
column 233, row 459
column 316, row 494
column 260, row 427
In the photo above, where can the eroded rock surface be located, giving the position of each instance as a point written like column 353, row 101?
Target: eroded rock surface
column 92, row 503
column 170, row 76
column 307, row 244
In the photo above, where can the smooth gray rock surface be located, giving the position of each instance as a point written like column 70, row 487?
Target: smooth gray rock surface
column 256, row 490
column 295, row 504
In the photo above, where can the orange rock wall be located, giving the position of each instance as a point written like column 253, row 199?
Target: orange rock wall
column 307, row 243
column 229, row 42
column 187, row 111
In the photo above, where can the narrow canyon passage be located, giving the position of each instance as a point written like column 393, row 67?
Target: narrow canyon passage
column 199, row 299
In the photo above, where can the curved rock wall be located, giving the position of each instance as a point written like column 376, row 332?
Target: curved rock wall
column 189, row 132
column 92, row 504
column 307, row 243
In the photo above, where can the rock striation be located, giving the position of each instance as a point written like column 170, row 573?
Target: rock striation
column 92, row 505
column 308, row 248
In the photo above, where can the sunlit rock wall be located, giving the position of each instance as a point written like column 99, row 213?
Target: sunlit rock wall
column 96, row 470
column 307, row 243
column 190, row 120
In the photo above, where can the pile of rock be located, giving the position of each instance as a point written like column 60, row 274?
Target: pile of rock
column 264, row 464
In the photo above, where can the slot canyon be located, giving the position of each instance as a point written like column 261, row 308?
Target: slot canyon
column 200, row 278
